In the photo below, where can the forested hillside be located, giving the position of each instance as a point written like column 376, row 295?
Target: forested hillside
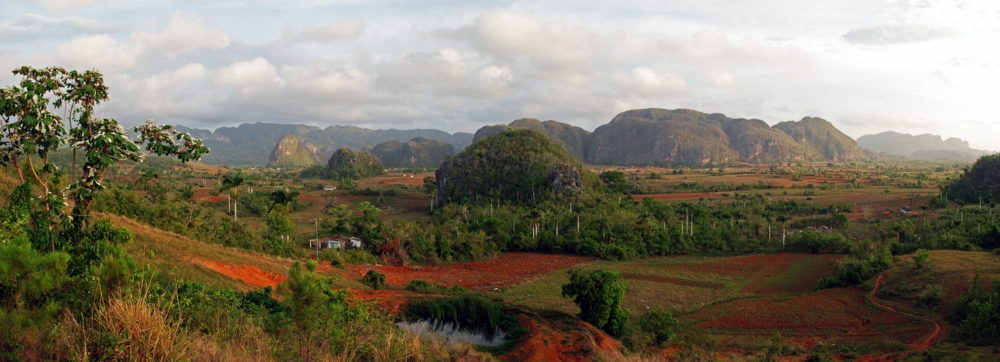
column 417, row 152
column 514, row 166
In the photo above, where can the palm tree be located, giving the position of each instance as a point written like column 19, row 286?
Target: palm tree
column 146, row 178
column 231, row 181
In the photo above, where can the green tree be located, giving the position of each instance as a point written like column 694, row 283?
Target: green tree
column 430, row 184
column 616, row 181
column 921, row 257
column 312, row 314
column 599, row 296
column 374, row 279
column 279, row 221
column 660, row 323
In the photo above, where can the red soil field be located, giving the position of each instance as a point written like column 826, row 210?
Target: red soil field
column 244, row 273
column 509, row 268
column 556, row 343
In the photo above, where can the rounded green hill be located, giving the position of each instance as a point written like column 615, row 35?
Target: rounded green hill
column 346, row 163
column 519, row 165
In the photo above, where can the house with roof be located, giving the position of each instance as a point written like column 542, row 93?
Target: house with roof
column 336, row 242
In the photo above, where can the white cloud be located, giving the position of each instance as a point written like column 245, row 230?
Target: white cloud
column 31, row 27
column 329, row 33
column 896, row 34
column 647, row 82
column 184, row 33
column 721, row 79
column 258, row 72
column 100, row 51
column 63, row 4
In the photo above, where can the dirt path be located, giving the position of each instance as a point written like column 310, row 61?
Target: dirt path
column 927, row 343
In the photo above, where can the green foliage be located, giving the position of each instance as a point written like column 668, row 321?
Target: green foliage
column 30, row 286
column 660, row 323
column 313, row 315
column 348, row 164
column 425, row 287
column 977, row 313
column 616, row 182
column 470, row 311
column 417, row 152
column 818, row 242
column 921, row 257
column 430, row 184
column 864, row 264
column 343, row 257
column 981, row 182
column 930, row 296
column 599, row 296
column 520, row 166
column 374, row 279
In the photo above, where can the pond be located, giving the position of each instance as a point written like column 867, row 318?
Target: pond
column 449, row 331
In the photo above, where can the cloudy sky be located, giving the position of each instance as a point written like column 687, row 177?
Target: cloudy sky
column 914, row 66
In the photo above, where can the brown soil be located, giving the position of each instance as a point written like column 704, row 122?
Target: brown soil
column 245, row 273
column 555, row 343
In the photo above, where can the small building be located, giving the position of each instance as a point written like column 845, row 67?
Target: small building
column 905, row 210
column 329, row 187
column 335, row 242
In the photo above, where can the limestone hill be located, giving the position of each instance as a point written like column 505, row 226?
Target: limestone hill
column 687, row 137
column 417, row 152
column 921, row 147
column 518, row 165
column 574, row 138
column 288, row 152
column 346, row 163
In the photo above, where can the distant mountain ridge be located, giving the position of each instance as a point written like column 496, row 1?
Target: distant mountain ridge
column 921, row 147
column 417, row 152
column 687, row 137
column 250, row 144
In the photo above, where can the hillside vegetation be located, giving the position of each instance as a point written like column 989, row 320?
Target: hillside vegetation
column 574, row 138
column 979, row 183
column 519, row 165
column 288, row 152
column 417, row 152
column 686, row 137
column 345, row 163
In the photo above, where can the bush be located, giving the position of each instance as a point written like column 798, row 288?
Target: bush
column 425, row 287
column 374, row 279
column 660, row 323
column 921, row 257
column 931, row 296
column 599, row 296
column 856, row 269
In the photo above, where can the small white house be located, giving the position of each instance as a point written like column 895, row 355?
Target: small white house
column 335, row 242
column 329, row 187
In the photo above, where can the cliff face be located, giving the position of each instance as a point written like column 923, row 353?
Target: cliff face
column 822, row 139
column 417, row 152
column 686, row 137
column 289, row 152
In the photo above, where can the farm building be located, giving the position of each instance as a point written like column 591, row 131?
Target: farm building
column 335, row 242
column 329, row 187
column 905, row 210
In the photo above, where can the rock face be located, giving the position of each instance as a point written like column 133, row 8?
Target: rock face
column 920, row 147
column 520, row 165
column 979, row 183
column 686, row 137
column 822, row 139
column 574, row 138
column 417, row 152
column 288, row 152
column 345, row 163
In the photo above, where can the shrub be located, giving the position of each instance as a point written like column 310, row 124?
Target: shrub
column 931, row 296
column 374, row 279
column 599, row 296
column 921, row 257
column 660, row 323
column 425, row 287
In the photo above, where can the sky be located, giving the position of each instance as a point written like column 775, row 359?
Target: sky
column 911, row 66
